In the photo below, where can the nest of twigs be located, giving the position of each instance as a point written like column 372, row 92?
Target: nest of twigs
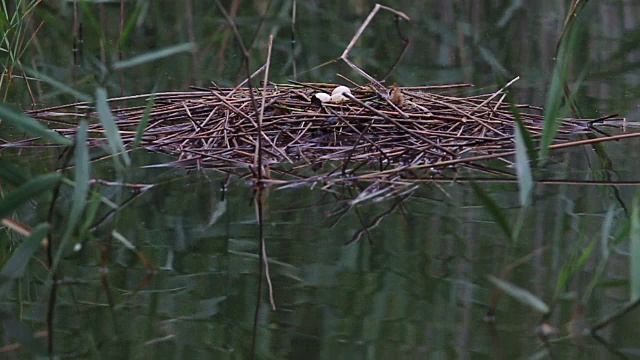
column 387, row 136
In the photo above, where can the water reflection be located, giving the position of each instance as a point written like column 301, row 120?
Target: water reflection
column 414, row 285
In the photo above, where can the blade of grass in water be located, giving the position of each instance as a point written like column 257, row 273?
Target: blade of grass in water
column 10, row 173
column 90, row 19
column 634, row 237
column 523, row 168
column 523, row 296
column 15, row 266
column 28, row 191
column 116, row 235
column 509, row 13
column 554, row 108
column 605, row 236
column 21, row 121
column 573, row 265
column 111, row 129
column 154, row 55
column 605, row 233
column 20, row 333
column 526, row 135
column 493, row 209
column 58, row 85
column 130, row 23
column 142, row 125
column 81, row 185
column 90, row 215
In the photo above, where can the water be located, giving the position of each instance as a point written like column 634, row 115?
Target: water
column 413, row 286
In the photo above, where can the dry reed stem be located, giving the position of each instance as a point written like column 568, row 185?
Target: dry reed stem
column 260, row 172
column 355, row 38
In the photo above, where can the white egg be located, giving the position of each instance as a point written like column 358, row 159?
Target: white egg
column 338, row 98
column 337, row 95
column 340, row 90
column 323, row 97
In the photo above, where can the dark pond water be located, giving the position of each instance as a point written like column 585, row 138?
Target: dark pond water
column 414, row 286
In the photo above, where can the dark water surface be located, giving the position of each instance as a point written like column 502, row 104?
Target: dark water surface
column 414, row 286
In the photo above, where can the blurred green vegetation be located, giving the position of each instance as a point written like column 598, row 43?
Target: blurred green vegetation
column 415, row 286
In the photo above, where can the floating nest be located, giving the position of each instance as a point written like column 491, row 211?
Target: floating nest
column 393, row 136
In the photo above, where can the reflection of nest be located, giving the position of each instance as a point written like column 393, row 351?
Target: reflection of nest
column 367, row 137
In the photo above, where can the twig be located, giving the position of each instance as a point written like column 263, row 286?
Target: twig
column 293, row 39
column 625, row 310
column 355, row 38
column 259, row 164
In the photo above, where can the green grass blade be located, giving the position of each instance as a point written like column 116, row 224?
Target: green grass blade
column 130, row 24
column 4, row 22
column 19, row 332
column 523, row 168
column 90, row 18
column 154, row 55
column 90, row 213
column 523, row 296
column 27, row 191
column 554, row 108
column 493, row 209
column 634, row 237
column 10, row 173
column 509, row 13
column 80, row 189
column 81, row 181
column 24, row 123
column 116, row 235
column 58, row 85
column 552, row 113
column 15, row 266
column 605, row 234
column 585, row 254
column 82, row 170
column 111, row 129
column 142, row 125
column 575, row 261
column 17, row 263
column 526, row 135
column 605, row 250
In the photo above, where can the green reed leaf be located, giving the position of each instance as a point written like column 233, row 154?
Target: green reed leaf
column 142, row 125
column 28, row 191
column 58, row 85
column 15, row 266
column 24, row 123
column 494, row 210
column 634, row 237
column 521, row 295
column 154, row 55
column 523, row 168
column 111, row 129
column 10, row 173
column 80, row 184
column 22, row 334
